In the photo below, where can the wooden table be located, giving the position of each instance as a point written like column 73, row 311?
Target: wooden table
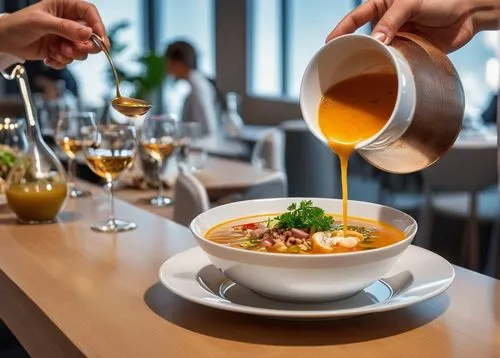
column 221, row 177
column 66, row 291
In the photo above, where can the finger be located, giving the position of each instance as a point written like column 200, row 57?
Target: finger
column 355, row 19
column 53, row 63
column 394, row 18
column 68, row 50
column 87, row 47
column 68, row 29
column 59, row 57
column 88, row 13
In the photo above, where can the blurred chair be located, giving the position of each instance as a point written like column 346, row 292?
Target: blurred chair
column 269, row 151
column 463, row 172
column 268, row 154
column 401, row 191
column 190, row 197
column 312, row 170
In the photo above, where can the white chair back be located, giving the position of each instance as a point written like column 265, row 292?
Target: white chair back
column 462, row 170
column 269, row 151
column 190, row 198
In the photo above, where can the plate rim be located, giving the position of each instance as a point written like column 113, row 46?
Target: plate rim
column 226, row 305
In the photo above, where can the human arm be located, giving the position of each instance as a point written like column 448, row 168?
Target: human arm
column 56, row 31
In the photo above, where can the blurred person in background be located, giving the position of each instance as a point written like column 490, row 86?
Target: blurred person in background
column 54, row 91
column 48, row 81
column 200, row 105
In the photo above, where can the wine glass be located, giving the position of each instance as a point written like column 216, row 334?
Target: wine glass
column 13, row 134
column 158, row 139
column 191, row 153
column 109, row 150
column 70, row 138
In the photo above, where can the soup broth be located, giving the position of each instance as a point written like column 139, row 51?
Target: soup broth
column 256, row 233
column 352, row 111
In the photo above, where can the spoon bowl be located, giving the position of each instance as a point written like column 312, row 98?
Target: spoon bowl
column 131, row 107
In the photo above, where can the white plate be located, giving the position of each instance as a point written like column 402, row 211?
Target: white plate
column 418, row 276
column 3, row 199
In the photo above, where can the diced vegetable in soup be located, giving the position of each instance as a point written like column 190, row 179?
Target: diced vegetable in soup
column 304, row 229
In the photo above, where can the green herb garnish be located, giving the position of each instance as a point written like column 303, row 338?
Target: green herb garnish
column 271, row 222
column 7, row 158
column 249, row 243
column 304, row 216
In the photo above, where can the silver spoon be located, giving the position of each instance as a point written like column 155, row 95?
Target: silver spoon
column 130, row 107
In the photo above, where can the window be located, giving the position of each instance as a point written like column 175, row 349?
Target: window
column 192, row 21
column 309, row 22
column 92, row 73
column 478, row 66
column 265, row 47
column 283, row 36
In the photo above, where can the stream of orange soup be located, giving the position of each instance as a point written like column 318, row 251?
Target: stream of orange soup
column 352, row 111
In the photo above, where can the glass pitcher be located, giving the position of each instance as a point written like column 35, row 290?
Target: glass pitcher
column 36, row 185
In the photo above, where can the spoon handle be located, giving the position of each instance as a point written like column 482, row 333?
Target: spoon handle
column 100, row 43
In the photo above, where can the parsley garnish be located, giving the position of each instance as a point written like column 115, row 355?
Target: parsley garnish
column 305, row 216
column 7, row 158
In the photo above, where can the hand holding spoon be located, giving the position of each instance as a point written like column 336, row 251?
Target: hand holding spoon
column 130, row 107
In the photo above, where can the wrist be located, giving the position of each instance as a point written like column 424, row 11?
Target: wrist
column 3, row 27
column 7, row 59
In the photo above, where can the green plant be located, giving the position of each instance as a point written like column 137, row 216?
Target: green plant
column 152, row 66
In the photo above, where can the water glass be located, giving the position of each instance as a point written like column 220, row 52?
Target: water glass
column 158, row 138
column 191, row 151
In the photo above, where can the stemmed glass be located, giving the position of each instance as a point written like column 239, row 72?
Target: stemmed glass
column 13, row 134
column 158, row 138
column 191, row 152
column 110, row 150
column 70, row 137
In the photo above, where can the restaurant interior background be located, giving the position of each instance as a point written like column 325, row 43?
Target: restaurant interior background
column 259, row 49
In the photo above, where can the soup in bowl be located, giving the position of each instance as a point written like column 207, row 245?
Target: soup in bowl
column 296, row 249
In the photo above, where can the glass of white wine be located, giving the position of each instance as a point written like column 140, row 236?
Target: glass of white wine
column 158, row 138
column 109, row 151
column 70, row 138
